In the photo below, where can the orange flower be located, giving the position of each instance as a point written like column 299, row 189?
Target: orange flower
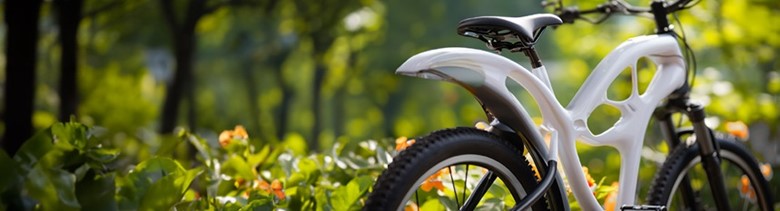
column 411, row 207
column 239, row 182
column 427, row 185
column 402, row 143
column 611, row 201
column 276, row 187
column 262, row 185
column 240, row 131
column 766, row 170
column 738, row 129
column 225, row 138
column 745, row 190
column 433, row 181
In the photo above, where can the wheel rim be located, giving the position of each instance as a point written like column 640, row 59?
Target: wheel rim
column 460, row 165
column 740, row 198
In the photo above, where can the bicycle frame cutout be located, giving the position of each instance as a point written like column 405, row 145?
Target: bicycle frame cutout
column 484, row 74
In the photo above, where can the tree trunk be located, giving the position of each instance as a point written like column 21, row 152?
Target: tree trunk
column 20, row 52
column 182, row 84
column 69, row 15
column 338, row 111
column 316, row 106
column 322, row 41
column 283, row 111
column 184, row 41
column 187, row 50
column 284, row 107
column 251, row 92
column 182, row 73
column 391, row 109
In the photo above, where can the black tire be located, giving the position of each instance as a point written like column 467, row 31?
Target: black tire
column 400, row 182
column 667, row 187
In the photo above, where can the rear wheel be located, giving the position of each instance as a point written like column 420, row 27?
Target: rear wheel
column 462, row 168
column 681, row 184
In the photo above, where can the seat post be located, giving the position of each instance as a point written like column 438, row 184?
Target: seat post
column 530, row 52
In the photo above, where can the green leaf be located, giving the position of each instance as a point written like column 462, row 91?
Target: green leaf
column 97, row 193
column 260, row 157
column 70, row 134
column 321, row 196
column 296, row 143
column 257, row 205
column 492, row 204
column 81, row 171
column 200, row 144
column 346, row 196
column 306, row 166
column 102, row 155
column 169, row 190
column 134, row 186
column 432, row 205
column 34, row 148
column 12, row 174
column 296, row 179
column 53, row 188
column 238, row 167
column 156, row 168
column 309, row 169
column 167, row 146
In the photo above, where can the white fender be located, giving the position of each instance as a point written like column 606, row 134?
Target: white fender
column 484, row 74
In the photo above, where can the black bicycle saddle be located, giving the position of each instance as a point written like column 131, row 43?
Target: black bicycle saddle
column 526, row 27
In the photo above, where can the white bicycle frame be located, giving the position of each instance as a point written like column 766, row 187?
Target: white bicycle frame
column 484, row 73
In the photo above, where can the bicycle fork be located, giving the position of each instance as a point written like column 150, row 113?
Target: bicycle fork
column 708, row 149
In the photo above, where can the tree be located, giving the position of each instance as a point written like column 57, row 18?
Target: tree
column 69, row 16
column 319, row 21
column 19, row 90
column 184, row 44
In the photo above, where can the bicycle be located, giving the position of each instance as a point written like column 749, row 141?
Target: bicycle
column 495, row 154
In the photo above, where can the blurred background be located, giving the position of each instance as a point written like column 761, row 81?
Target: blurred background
column 321, row 71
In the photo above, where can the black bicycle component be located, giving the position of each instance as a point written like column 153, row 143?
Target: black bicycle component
column 709, row 155
column 453, row 147
column 479, row 191
column 643, row 207
column 708, row 151
column 556, row 193
column 672, row 137
column 747, row 185
column 658, row 9
column 660, row 15
column 534, row 196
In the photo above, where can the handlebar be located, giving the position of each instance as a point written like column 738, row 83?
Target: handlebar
column 659, row 7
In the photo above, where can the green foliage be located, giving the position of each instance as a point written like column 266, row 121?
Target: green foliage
column 56, row 168
column 65, row 168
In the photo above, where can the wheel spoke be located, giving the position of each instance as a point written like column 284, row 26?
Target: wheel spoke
column 465, row 183
column 417, row 199
column 454, row 190
column 482, row 187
